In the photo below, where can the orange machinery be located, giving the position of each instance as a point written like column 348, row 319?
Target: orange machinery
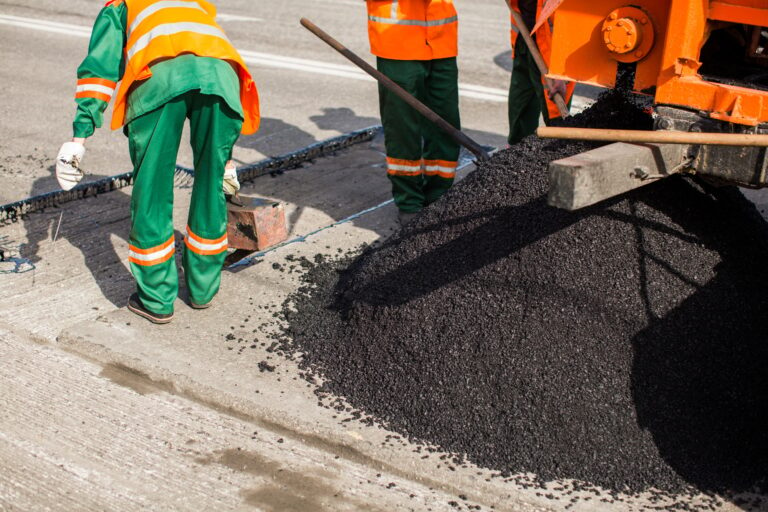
column 704, row 62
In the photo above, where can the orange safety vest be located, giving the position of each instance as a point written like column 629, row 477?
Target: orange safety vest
column 544, row 42
column 413, row 29
column 163, row 30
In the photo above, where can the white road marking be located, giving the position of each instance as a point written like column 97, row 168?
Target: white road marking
column 47, row 26
column 477, row 92
column 235, row 17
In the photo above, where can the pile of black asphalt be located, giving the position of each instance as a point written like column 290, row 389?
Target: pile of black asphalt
column 624, row 346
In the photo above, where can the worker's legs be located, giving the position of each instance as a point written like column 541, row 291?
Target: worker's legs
column 526, row 96
column 154, row 143
column 214, row 129
column 441, row 152
column 402, row 133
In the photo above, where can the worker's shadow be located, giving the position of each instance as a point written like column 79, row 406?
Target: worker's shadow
column 700, row 373
column 344, row 187
column 337, row 190
column 90, row 230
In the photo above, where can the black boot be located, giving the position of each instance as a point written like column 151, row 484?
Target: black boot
column 135, row 305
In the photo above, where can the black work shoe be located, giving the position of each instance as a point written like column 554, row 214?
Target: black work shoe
column 135, row 305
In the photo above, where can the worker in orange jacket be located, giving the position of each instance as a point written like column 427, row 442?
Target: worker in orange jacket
column 416, row 44
column 527, row 97
column 173, row 62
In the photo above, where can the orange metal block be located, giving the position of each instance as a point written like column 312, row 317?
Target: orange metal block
column 256, row 225
column 585, row 50
column 679, row 83
column 579, row 49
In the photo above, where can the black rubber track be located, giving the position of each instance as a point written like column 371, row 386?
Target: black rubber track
column 625, row 346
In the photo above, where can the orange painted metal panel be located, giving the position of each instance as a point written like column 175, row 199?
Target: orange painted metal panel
column 724, row 102
column 679, row 82
column 727, row 11
column 579, row 51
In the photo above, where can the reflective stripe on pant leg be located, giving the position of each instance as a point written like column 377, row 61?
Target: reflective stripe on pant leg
column 154, row 140
column 214, row 130
column 402, row 133
column 441, row 152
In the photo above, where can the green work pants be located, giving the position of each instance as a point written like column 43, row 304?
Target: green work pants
column 421, row 158
column 154, row 140
column 526, row 96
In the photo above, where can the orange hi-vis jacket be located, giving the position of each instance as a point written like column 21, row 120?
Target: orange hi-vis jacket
column 413, row 29
column 544, row 42
column 160, row 30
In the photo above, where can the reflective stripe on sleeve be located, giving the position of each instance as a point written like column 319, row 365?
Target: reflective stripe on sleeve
column 95, row 88
column 152, row 256
column 205, row 246
column 169, row 29
column 414, row 23
column 159, row 6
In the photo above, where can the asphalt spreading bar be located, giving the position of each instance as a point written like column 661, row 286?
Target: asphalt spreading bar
column 622, row 348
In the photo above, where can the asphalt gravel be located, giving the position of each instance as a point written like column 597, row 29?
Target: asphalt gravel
column 623, row 347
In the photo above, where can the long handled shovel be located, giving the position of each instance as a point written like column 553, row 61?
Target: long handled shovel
column 523, row 30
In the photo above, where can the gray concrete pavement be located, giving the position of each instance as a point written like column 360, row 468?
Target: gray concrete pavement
column 78, row 435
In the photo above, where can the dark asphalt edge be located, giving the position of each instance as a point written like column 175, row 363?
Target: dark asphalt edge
column 12, row 212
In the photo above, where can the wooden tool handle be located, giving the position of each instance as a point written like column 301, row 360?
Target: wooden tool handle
column 457, row 135
column 562, row 107
column 655, row 137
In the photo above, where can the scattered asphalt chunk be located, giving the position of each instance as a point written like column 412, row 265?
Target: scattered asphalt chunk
column 623, row 347
column 265, row 367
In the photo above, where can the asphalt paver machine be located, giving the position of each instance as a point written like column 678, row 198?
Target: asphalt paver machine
column 704, row 63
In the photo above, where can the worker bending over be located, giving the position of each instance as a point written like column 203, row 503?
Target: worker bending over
column 173, row 63
column 416, row 44
column 527, row 97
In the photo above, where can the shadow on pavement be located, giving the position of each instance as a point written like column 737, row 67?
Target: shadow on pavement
column 98, row 251
column 699, row 376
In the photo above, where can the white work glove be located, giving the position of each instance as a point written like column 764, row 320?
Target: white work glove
column 68, row 170
column 231, row 185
